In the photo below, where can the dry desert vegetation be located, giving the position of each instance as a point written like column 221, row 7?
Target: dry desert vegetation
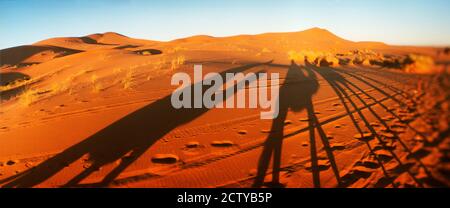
column 95, row 111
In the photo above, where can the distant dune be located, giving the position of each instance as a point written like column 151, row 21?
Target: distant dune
column 314, row 39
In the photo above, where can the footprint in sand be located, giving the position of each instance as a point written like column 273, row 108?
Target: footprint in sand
column 398, row 125
column 419, row 138
column 223, row 143
column 287, row 122
column 385, row 129
column 390, row 146
column 321, row 165
column 242, row 132
column 387, row 118
column 192, row 145
column 370, row 163
column 165, row 158
column 418, row 151
column 266, row 131
column 404, row 180
column 403, row 111
column 398, row 130
column 375, row 124
column 252, row 172
column 305, row 144
column 11, row 162
column 363, row 136
column 408, row 119
column 362, row 170
column 388, row 135
column 304, row 119
column 337, row 146
column 384, row 154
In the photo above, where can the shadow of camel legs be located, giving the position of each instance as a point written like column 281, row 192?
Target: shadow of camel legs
column 295, row 94
column 134, row 134
column 406, row 149
column 340, row 85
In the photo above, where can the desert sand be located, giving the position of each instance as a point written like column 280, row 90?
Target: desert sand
column 95, row 111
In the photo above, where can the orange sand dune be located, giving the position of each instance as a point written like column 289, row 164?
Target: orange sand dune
column 107, row 40
column 95, row 111
column 31, row 54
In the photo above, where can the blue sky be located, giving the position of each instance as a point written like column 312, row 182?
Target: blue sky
column 400, row 22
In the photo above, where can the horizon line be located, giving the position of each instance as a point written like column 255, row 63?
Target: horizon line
column 242, row 34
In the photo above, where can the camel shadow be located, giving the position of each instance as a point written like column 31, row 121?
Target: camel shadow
column 130, row 136
column 345, row 89
column 296, row 95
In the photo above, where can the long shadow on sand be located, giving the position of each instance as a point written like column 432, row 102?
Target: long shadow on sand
column 296, row 95
column 130, row 136
column 345, row 89
column 139, row 130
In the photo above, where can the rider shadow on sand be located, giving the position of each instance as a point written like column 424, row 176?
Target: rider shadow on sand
column 296, row 95
column 133, row 134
